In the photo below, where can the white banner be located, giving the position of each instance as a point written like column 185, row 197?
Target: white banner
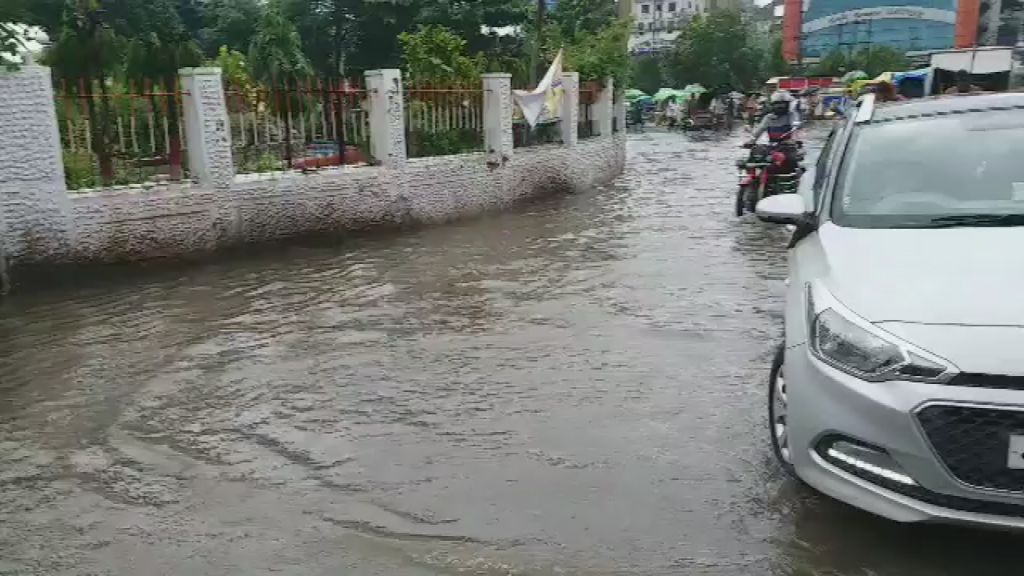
column 545, row 101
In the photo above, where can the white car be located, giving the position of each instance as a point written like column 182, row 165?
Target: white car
column 900, row 387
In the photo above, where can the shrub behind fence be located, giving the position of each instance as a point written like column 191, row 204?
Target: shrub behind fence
column 115, row 133
column 304, row 125
column 443, row 121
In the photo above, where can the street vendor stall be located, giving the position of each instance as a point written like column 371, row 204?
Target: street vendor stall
column 989, row 68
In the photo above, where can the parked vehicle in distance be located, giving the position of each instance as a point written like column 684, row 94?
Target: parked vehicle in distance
column 900, row 386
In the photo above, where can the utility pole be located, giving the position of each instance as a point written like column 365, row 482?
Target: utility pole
column 535, row 66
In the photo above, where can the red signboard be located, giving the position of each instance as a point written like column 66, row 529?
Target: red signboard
column 792, row 21
column 799, row 83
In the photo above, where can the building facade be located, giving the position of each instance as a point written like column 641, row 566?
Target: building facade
column 814, row 28
column 658, row 22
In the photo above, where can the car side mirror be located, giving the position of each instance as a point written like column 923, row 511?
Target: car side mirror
column 784, row 209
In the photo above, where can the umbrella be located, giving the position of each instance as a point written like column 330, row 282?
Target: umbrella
column 666, row 93
column 853, row 76
column 634, row 94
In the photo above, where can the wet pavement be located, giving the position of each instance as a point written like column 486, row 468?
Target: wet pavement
column 574, row 387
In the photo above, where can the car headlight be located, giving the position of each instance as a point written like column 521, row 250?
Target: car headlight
column 849, row 345
column 858, row 348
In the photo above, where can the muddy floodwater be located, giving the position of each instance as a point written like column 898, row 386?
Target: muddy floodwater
column 573, row 387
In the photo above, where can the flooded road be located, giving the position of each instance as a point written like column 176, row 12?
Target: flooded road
column 574, row 387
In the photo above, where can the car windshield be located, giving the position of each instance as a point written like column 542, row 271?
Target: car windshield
column 959, row 170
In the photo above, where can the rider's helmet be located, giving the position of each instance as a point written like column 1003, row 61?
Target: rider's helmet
column 780, row 102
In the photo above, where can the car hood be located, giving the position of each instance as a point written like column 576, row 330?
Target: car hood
column 968, row 276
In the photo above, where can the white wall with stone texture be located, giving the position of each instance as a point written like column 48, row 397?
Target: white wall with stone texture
column 174, row 220
column 34, row 206
column 41, row 223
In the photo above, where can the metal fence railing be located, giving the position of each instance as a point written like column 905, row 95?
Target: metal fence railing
column 443, row 121
column 543, row 133
column 585, row 125
column 118, row 133
column 305, row 125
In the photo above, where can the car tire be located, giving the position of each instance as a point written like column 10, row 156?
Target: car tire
column 778, row 424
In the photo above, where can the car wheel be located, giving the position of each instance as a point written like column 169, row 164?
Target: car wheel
column 778, row 412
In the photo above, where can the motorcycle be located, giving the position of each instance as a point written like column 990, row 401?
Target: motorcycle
column 755, row 178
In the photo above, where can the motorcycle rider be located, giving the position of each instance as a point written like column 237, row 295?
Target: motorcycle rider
column 780, row 122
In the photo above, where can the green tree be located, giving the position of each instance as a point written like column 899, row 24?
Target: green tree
column 576, row 18
column 233, row 67
column 602, row 54
column 872, row 60
column 436, row 55
column 86, row 54
column 647, row 73
column 275, row 53
column 230, row 23
column 775, row 62
column 877, row 59
column 158, row 45
column 716, row 50
column 469, row 19
column 276, row 60
column 834, row 63
column 328, row 29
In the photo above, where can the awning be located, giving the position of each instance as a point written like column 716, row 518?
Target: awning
column 919, row 74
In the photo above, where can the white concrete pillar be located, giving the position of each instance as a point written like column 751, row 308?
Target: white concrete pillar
column 35, row 212
column 498, row 117
column 604, row 108
column 207, row 128
column 387, row 117
column 570, row 108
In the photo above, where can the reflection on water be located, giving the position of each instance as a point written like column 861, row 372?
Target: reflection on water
column 572, row 387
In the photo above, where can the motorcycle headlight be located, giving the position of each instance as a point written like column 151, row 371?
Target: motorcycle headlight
column 856, row 347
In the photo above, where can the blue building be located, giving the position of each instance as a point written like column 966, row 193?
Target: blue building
column 850, row 25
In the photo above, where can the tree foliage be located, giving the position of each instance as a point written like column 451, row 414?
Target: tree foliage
column 602, row 54
column 577, row 18
column 436, row 55
column 872, row 60
column 775, row 62
column 647, row 73
column 136, row 39
column 275, row 53
column 716, row 50
column 230, row 23
column 471, row 19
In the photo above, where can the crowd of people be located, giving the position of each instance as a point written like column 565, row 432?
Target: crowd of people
column 723, row 108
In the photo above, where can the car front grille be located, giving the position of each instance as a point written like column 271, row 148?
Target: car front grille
column 973, row 443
